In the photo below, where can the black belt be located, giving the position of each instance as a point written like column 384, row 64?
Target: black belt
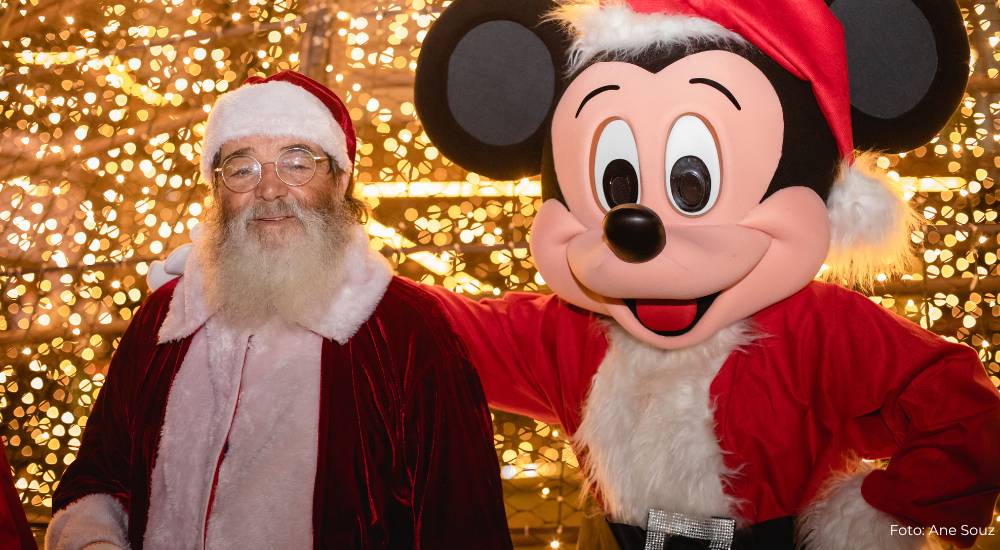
column 774, row 534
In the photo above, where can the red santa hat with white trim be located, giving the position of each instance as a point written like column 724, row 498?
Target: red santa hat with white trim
column 287, row 104
column 816, row 41
column 805, row 38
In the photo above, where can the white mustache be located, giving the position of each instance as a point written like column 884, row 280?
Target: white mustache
column 277, row 209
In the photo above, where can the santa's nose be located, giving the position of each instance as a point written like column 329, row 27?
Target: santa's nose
column 634, row 233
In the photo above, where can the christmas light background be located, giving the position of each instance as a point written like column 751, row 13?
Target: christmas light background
column 102, row 108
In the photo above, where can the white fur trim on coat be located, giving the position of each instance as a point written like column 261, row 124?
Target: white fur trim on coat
column 841, row 519
column 616, row 29
column 273, row 108
column 648, row 428
column 273, row 446
column 870, row 225
column 350, row 307
column 96, row 521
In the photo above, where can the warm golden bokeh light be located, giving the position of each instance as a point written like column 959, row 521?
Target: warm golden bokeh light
column 103, row 107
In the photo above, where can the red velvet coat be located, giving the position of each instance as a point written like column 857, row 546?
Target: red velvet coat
column 405, row 440
column 832, row 374
column 14, row 531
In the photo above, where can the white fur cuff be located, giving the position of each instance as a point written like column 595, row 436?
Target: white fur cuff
column 841, row 519
column 96, row 521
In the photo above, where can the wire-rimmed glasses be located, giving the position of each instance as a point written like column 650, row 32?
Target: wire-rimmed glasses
column 294, row 166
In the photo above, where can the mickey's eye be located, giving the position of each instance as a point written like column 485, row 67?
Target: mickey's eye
column 616, row 166
column 693, row 174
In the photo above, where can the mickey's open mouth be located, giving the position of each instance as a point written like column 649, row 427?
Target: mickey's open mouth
column 670, row 317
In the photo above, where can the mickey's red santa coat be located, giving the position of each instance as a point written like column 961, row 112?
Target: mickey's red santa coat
column 697, row 161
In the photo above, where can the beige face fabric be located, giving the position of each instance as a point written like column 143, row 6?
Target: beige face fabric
column 745, row 253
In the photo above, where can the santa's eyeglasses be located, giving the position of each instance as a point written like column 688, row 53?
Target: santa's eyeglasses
column 294, row 166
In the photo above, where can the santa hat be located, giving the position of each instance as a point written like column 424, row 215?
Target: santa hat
column 871, row 222
column 287, row 104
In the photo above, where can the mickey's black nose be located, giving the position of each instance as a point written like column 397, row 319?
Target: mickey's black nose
column 634, row 233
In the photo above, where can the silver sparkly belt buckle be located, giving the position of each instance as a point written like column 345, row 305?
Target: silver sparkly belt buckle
column 717, row 531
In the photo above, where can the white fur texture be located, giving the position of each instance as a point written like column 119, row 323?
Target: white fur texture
column 199, row 408
column 96, row 521
column 870, row 225
column 841, row 519
column 614, row 28
column 273, row 444
column 368, row 276
column 270, row 469
column 272, row 109
column 189, row 309
column 354, row 301
column 648, row 428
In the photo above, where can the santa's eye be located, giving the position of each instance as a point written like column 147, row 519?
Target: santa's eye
column 692, row 165
column 616, row 166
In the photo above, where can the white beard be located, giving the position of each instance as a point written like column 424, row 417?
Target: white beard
column 250, row 279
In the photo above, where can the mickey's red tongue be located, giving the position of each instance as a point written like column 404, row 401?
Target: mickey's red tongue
column 666, row 315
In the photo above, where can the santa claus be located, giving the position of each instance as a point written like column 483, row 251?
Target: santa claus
column 288, row 391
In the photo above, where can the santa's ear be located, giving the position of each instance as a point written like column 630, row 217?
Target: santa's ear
column 908, row 62
column 486, row 84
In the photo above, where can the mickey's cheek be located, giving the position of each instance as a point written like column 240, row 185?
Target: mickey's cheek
column 552, row 230
column 797, row 222
column 796, row 218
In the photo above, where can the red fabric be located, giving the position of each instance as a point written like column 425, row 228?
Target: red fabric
column 535, row 354
column 837, row 374
column 332, row 102
column 14, row 530
column 803, row 36
column 406, row 457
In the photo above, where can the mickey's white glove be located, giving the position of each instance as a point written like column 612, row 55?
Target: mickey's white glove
column 162, row 272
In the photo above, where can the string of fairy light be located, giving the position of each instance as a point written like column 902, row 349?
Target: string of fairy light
column 103, row 107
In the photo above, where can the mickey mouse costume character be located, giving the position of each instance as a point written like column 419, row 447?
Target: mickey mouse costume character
column 698, row 166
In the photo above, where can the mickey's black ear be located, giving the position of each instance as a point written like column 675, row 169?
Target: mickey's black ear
column 908, row 62
column 486, row 84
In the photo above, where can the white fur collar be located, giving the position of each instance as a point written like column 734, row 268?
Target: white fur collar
column 648, row 428
column 354, row 302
